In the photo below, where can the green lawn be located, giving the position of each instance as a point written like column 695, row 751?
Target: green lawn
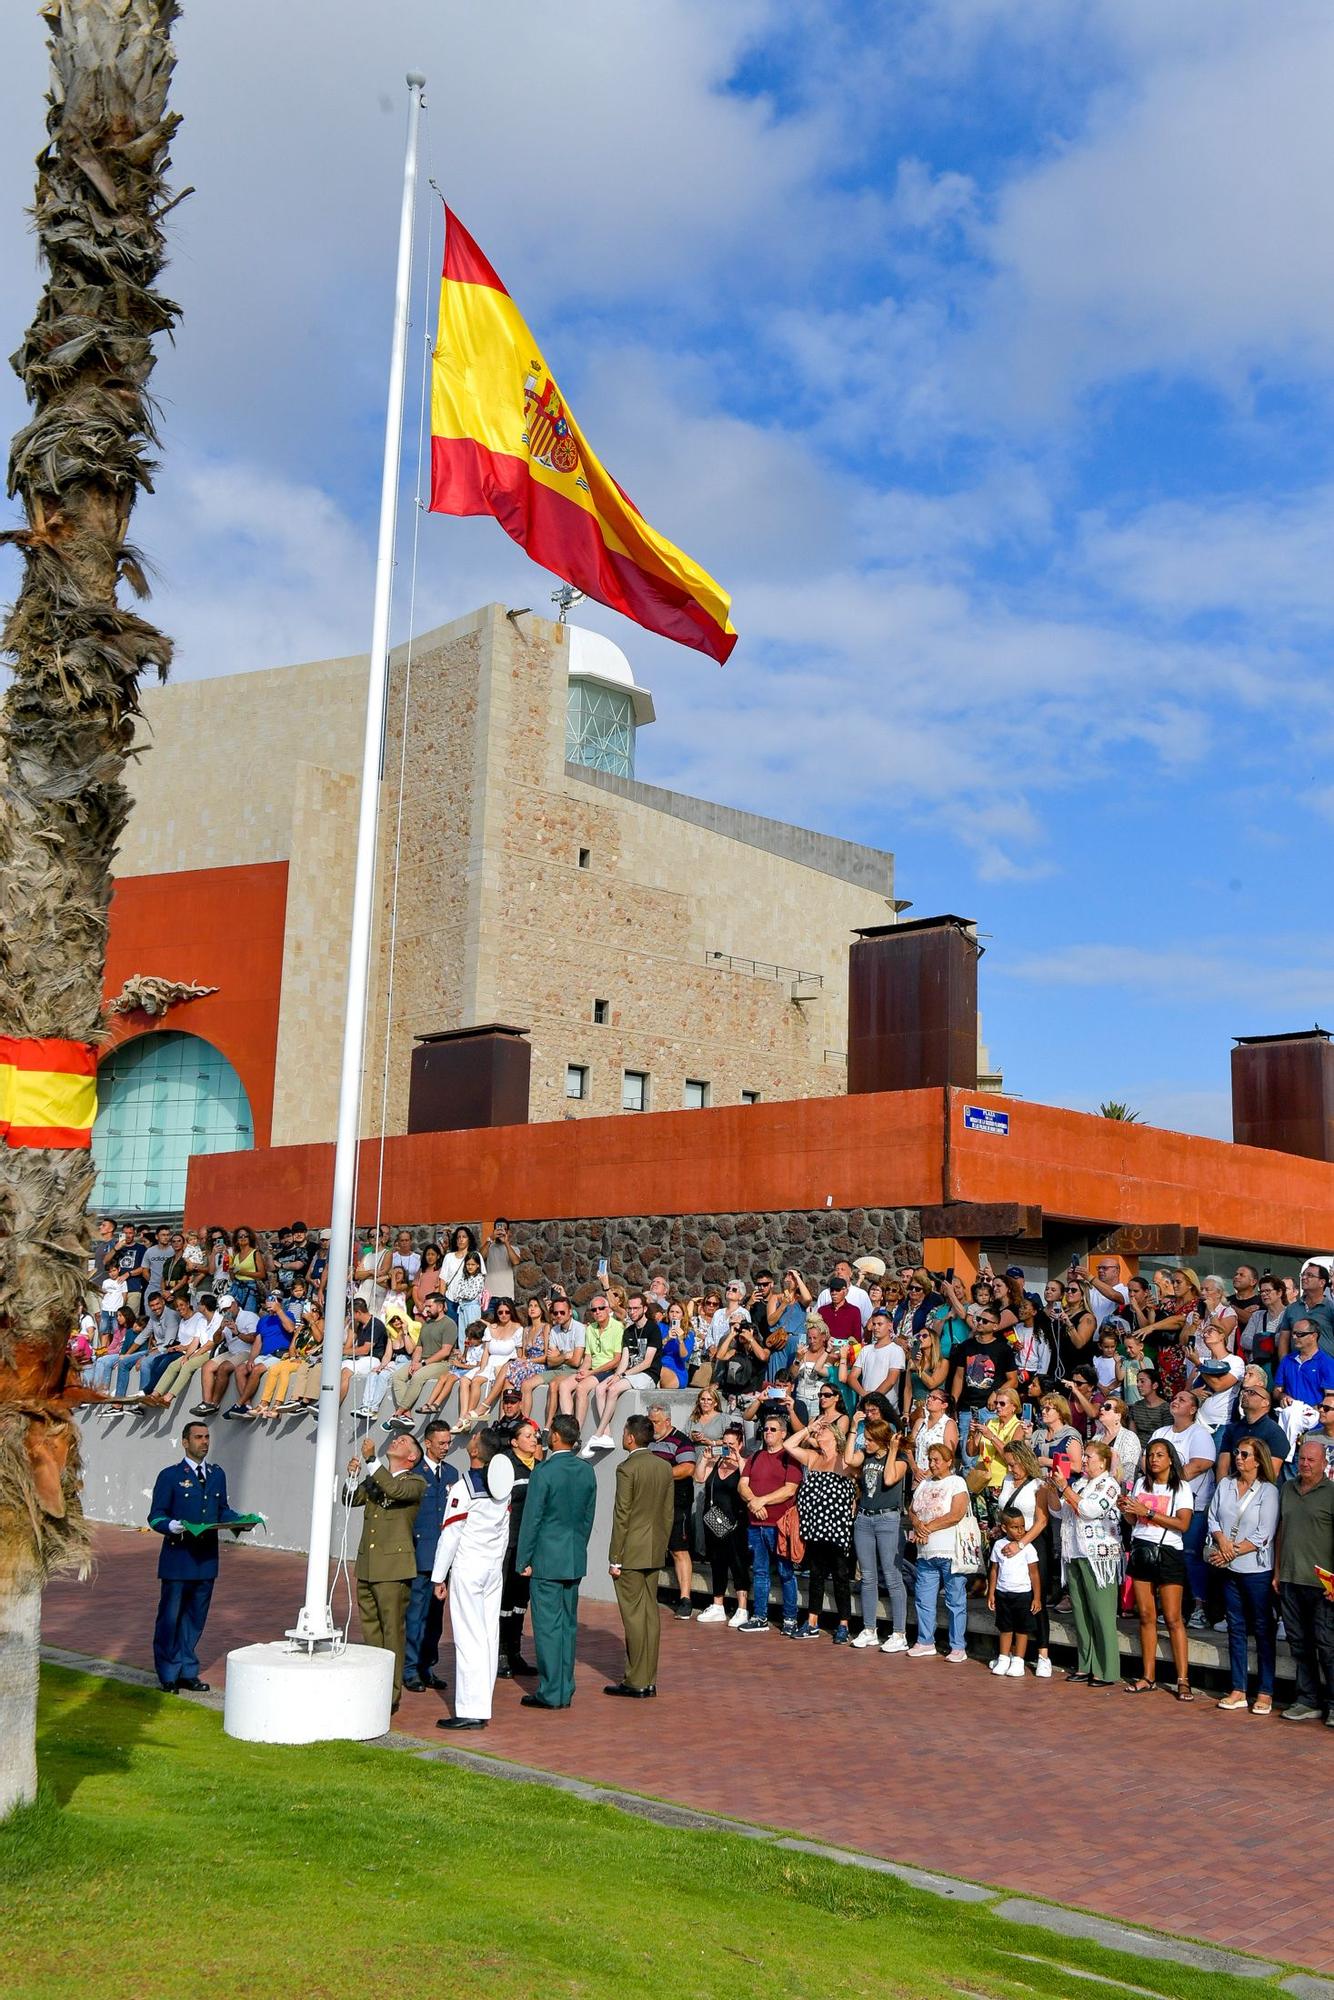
column 166, row 1860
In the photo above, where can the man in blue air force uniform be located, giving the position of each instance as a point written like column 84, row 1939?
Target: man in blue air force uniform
column 191, row 1491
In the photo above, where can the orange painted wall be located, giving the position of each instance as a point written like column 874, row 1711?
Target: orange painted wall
column 875, row 1151
column 1094, row 1169
column 218, row 927
column 864, row 1151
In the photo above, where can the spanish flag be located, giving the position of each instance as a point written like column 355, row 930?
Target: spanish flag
column 503, row 442
column 48, row 1091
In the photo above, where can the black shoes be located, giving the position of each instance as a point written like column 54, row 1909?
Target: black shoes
column 192, row 1687
column 460, row 1722
column 632, row 1694
column 518, row 1666
column 414, row 1687
column 167, row 1687
column 536, row 1701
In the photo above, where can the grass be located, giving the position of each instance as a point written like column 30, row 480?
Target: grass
column 165, row 1859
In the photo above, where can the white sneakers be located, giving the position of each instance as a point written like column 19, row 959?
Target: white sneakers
column 956, row 1657
column 714, row 1615
column 1000, row 1665
column 738, row 1617
column 604, row 1441
column 921, row 1652
column 1043, row 1667
column 896, row 1643
column 865, row 1638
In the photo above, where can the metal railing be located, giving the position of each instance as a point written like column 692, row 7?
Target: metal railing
column 759, row 968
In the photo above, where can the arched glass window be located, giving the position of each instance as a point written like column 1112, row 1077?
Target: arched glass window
column 160, row 1098
column 600, row 728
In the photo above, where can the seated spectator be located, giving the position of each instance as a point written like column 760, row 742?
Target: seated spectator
column 365, row 1346
column 678, row 1347
column 292, row 1380
column 231, row 1354
column 604, row 1338
column 638, row 1366
column 200, row 1333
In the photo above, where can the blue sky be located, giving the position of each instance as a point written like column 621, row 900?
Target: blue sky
column 985, row 350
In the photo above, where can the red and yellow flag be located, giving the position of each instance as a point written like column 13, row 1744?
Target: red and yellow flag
column 503, row 442
column 48, row 1091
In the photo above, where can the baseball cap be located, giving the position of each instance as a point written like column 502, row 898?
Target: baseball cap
column 1014, row 1270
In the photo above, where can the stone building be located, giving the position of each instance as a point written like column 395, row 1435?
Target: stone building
column 661, row 951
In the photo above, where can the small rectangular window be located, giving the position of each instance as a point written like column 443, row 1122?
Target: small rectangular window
column 750, row 1097
column 585, row 856
column 634, row 1090
column 601, row 1013
column 697, row 1094
column 576, row 1079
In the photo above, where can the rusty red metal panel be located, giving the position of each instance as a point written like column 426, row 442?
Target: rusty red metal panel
column 468, row 1078
column 912, row 1007
column 1283, row 1093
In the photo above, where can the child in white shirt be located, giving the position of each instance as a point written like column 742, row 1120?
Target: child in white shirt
column 1014, row 1595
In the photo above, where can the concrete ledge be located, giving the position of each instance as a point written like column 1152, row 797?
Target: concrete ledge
column 1120, row 1937
column 948, row 1886
column 1307, row 1987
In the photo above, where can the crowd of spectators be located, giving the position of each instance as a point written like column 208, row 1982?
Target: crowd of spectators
column 1159, row 1446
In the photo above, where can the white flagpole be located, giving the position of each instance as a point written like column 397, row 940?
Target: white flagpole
column 314, row 1624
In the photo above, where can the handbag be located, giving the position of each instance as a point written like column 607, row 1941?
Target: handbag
column 967, row 1557
column 719, row 1522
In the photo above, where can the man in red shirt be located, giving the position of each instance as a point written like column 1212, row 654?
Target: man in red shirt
column 768, row 1485
column 843, row 1319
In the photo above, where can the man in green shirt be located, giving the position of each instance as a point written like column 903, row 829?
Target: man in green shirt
column 604, row 1338
column 1305, row 1545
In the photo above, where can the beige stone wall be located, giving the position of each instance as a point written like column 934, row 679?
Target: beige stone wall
column 496, row 920
column 214, row 789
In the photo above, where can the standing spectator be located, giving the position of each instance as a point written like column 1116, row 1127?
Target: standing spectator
column 875, row 1459
column 855, row 1293
column 1150, row 1410
column 881, row 1363
column 939, row 1505
column 1159, row 1511
column 157, row 1259
column 1306, row 1545
column 1106, row 1293
column 1306, row 1371
column 718, row 1468
column 501, row 1260
column 249, row 1271
column 840, row 1313
column 1259, row 1334
column 462, row 1242
column 391, row 1493
column 678, row 1453
column 1252, row 1419
column 1116, row 1433
column 406, row 1257
column 981, row 1365
column 428, row 1283
column 103, row 1250
column 1243, row 1521
column 933, row 1423
column 825, row 1500
column 553, row 1553
column 1324, row 1430
column 1029, row 1488
column 1314, row 1305
column 1196, row 1453
column 640, row 1530
column 1014, row 1596
column 769, row 1483
column 523, row 1451
column 424, row 1617
column 1090, row 1530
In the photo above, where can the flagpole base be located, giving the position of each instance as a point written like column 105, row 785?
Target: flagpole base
column 276, row 1694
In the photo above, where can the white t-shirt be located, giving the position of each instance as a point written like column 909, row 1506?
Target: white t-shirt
column 194, row 1327
column 1214, row 1410
column 1014, row 1572
column 874, row 1363
column 408, row 1262
column 1103, row 1307
column 933, row 1498
column 1170, row 1503
column 113, row 1295
column 1104, row 1367
column 1197, row 1441
column 499, row 1272
column 567, row 1339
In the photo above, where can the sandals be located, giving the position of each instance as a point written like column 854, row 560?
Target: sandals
column 1184, row 1691
column 1264, row 1705
column 1140, row 1687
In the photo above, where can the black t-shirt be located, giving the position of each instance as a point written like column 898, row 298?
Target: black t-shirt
column 985, row 1364
column 374, row 1331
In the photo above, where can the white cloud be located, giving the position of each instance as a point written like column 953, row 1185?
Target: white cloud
column 1189, row 976
column 1263, row 559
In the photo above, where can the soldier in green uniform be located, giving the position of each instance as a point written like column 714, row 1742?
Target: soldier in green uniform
column 641, row 1526
column 390, row 1492
column 553, row 1551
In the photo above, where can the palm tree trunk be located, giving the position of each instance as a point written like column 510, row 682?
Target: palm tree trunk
column 67, row 725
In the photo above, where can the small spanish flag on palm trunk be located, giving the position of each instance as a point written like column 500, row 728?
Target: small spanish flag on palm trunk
column 503, row 442
column 48, row 1091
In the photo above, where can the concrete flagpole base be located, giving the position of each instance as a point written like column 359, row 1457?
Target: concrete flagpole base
column 276, row 1694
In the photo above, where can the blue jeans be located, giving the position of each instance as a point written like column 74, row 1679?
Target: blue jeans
column 123, row 1367
column 1192, row 1543
column 763, row 1545
column 151, row 1371
column 932, row 1572
column 1250, row 1604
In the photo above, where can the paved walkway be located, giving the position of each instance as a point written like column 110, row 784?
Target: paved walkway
column 1040, row 1787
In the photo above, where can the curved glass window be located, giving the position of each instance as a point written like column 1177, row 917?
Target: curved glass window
column 160, row 1098
column 600, row 729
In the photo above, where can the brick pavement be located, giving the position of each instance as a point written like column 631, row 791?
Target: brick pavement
column 1040, row 1787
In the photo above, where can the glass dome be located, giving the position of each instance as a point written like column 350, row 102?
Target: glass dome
column 604, row 706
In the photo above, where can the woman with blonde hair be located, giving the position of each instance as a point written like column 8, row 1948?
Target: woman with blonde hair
column 1090, row 1530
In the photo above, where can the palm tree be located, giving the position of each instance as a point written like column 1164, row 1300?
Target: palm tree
column 65, row 730
column 1113, row 1108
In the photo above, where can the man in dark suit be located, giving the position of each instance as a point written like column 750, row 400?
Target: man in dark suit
column 191, row 1492
column 421, row 1631
column 641, row 1527
column 553, row 1551
column 386, row 1559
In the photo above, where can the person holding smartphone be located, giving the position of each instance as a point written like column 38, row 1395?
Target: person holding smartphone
column 718, row 1470
column 1160, row 1510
